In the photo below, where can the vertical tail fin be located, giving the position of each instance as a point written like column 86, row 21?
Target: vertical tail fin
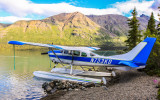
column 138, row 54
column 143, row 55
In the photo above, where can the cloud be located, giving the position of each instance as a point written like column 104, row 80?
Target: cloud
column 144, row 7
column 12, row 19
column 156, row 4
column 126, row 7
column 23, row 8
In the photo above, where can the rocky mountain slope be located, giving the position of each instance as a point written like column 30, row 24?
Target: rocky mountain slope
column 65, row 29
column 71, row 29
column 117, row 24
column 3, row 25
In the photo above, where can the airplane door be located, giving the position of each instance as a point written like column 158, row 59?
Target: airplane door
column 67, row 56
column 75, row 55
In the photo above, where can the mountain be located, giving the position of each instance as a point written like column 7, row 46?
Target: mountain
column 72, row 29
column 64, row 29
column 143, row 20
column 3, row 25
column 117, row 24
column 114, row 24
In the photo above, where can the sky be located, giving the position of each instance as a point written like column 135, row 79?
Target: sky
column 14, row 10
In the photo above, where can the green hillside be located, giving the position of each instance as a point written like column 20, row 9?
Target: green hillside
column 63, row 29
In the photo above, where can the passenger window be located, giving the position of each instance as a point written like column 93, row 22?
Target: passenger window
column 84, row 54
column 76, row 53
column 92, row 54
column 65, row 51
column 70, row 52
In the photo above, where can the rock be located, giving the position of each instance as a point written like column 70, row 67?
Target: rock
column 51, row 84
column 76, row 89
column 66, row 85
column 79, row 83
column 56, row 84
column 53, row 90
column 65, row 90
column 70, row 89
column 59, row 87
column 48, row 89
column 44, row 85
column 83, row 88
column 90, row 84
column 97, row 85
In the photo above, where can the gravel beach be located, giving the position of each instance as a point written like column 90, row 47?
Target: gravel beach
column 132, row 85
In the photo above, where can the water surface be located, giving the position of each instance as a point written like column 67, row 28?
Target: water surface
column 20, row 83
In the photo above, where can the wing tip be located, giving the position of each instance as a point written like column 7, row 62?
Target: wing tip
column 16, row 42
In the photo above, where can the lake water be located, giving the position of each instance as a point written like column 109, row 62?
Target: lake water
column 20, row 83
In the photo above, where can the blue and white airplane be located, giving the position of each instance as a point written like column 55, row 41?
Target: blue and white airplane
column 83, row 56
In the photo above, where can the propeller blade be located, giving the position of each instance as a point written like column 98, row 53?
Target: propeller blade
column 44, row 53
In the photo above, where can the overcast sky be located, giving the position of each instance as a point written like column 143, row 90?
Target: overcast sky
column 14, row 10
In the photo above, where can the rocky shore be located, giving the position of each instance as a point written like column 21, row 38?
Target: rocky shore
column 131, row 85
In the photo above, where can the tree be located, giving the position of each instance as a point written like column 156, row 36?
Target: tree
column 151, row 25
column 134, row 36
column 153, row 64
column 158, row 28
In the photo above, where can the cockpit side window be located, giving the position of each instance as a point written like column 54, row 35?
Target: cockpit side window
column 65, row 51
column 61, row 51
column 76, row 53
column 83, row 54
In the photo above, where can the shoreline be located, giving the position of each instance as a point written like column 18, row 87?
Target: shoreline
column 132, row 85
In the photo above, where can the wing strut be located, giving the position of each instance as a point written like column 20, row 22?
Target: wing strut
column 14, row 57
column 57, row 57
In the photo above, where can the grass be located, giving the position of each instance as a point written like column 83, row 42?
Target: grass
column 86, row 35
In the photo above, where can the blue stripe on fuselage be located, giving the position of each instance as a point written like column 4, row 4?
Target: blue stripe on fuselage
column 88, row 59
column 91, row 60
column 55, row 51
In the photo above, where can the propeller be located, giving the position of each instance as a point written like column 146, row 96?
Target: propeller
column 44, row 53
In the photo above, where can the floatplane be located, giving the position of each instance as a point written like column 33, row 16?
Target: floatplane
column 84, row 56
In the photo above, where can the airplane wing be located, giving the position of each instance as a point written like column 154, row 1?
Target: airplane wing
column 53, row 46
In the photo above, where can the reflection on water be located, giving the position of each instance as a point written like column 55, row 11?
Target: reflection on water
column 20, row 83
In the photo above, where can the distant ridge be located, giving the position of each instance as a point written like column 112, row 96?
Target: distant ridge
column 117, row 24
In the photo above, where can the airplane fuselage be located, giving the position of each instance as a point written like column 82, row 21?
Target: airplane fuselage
column 96, row 60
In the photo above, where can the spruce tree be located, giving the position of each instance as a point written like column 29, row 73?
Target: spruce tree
column 134, row 36
column 153, row 63
column 158, row 29
column 151, row 25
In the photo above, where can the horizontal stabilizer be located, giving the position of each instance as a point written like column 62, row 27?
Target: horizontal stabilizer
column 128, row 63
